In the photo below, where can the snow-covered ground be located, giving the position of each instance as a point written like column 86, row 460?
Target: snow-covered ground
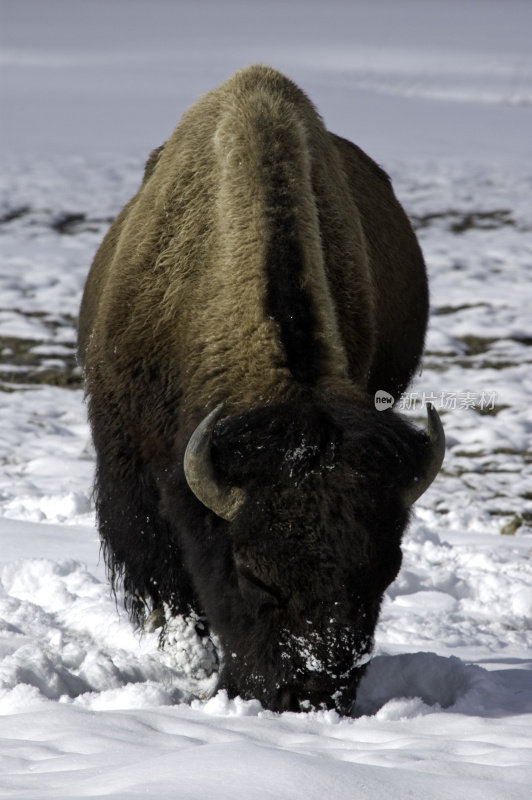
column 440, row 93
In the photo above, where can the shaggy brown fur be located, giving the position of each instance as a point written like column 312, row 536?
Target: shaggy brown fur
column 192, row 243
column 264, row 263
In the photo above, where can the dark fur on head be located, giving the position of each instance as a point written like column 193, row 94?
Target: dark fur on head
column 293, row 586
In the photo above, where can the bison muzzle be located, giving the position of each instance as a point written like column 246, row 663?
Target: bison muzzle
column 238, row 318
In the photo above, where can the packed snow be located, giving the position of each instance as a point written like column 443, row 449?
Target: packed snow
column 440, row 94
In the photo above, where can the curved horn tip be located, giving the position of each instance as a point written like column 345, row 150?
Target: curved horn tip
column 203, row 432
column 436, row 431
column 436, row 436
column 224, row 501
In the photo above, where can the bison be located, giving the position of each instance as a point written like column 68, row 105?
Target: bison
column 237, row 320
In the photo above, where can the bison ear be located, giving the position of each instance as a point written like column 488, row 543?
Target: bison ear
column 224, row 500
column 436, row 436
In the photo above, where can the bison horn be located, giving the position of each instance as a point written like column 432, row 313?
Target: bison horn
column 199, row 472
column 437, row 440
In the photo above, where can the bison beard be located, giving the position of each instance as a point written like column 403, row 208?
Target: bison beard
column 237, row 319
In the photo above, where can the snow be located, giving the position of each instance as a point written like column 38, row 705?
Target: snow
column 440, row 94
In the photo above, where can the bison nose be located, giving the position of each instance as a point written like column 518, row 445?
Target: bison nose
column 288, row 700
column 313, row 693
column 304, row 698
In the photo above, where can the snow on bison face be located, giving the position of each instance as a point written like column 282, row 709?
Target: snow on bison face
column 310, row 508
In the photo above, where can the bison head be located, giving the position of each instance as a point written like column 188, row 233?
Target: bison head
column 308, row 508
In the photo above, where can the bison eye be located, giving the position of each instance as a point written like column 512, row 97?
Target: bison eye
column 271, row 589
